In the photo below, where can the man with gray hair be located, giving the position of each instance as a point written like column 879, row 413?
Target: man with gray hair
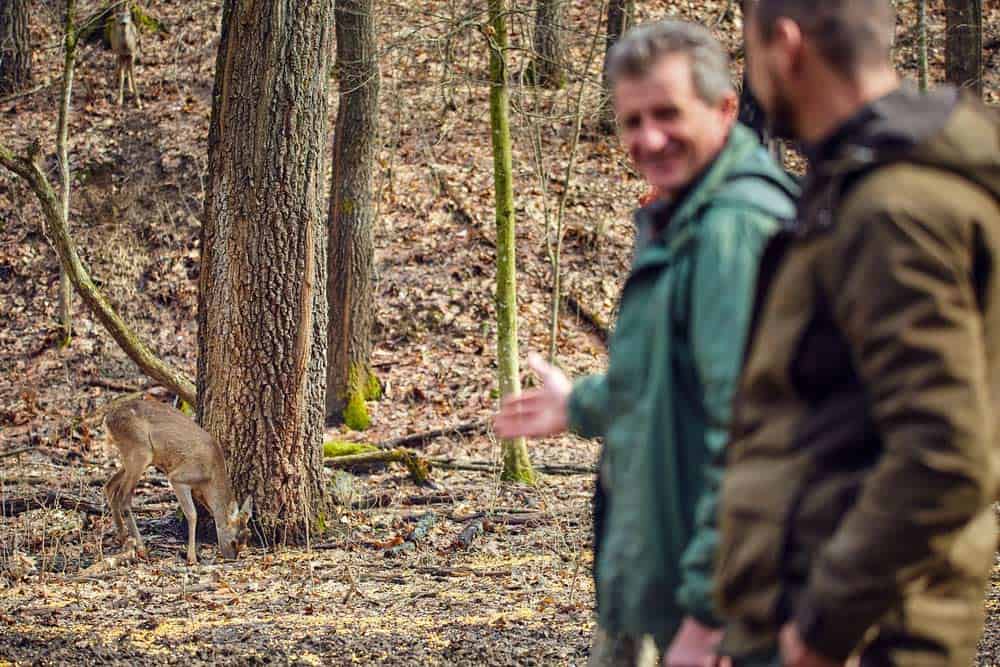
column 856, row 509
column 662, row 407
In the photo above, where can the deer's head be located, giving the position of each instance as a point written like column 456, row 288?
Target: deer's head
column 234, row 531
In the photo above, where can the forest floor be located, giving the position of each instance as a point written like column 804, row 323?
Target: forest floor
column 521, row 592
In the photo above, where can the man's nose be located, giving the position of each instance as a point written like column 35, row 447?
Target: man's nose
column 651, row 138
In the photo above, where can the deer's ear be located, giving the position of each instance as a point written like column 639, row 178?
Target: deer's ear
column 247, row 508
column 232, row 511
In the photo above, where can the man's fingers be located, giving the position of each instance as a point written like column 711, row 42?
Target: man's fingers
column 544, row 369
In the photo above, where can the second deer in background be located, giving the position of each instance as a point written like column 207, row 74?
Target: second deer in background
column 125, row 45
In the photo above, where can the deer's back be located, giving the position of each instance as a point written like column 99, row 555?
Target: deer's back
column 174, row 438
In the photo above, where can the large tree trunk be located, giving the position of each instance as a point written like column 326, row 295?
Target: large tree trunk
column 262, row 307
column 15, row 46
column 350, row 378
column 547, row 68
column 964, row 44
column 516, row 464
column 620, row 14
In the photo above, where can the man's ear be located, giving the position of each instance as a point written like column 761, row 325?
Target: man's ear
column 730, row 107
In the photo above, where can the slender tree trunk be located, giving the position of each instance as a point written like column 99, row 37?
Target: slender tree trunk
column 964, row 44
column 65, row 301
column 516, row 464
column 620, row 13
column 15, row 46
column 262, row 311
column 350, row 379
column 548, row 67
column 922, row 42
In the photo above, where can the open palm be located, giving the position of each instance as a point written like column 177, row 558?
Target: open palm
column 538, row 412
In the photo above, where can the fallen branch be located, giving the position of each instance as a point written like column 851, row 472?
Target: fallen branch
column 15, row 506
column 415, row 464
column 472, row 530
column 596, row 323
column 115, row 386
column 387, row 499
column 51, row 500
column 418, row 439
column 487, row 466
column 15, row 452
column 28, row 169
column 418, row 533
column 26, row 93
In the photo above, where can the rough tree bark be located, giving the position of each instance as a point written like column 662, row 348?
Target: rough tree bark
column 516, row 464
column 15, row 46
column 262, row 307
column 620, row 13
column 964, row 44
column 547, row 69
column 350, row 378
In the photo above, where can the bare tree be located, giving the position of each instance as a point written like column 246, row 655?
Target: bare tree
column 350, row 379
column 964, row 44
column 262, row 308
column 620, row 15
column 516, row 464
column 548, row 68
column 15, row 46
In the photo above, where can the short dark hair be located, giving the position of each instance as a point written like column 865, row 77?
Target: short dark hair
column 848, row 33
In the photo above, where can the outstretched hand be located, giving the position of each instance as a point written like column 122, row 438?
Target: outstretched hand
column 537, row 412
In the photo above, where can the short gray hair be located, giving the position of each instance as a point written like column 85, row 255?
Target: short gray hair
column 642, row 47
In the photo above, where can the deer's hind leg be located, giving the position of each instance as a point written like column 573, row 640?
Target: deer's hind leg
column 112, row 491
column 135, row 465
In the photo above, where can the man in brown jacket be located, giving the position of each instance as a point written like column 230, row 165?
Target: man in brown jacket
column 856, row 508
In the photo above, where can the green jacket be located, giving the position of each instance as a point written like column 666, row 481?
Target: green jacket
column 663, row 405
column 863, row 461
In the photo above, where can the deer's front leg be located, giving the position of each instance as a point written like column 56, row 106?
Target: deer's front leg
column 121, row 83
column 183, row 492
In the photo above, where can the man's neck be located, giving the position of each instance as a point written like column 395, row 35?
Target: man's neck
column 840, row 100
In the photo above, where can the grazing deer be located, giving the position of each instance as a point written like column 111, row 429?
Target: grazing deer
column 125, row 45
column 152, row 433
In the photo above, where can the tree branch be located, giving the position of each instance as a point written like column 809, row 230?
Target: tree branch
column 27, row 168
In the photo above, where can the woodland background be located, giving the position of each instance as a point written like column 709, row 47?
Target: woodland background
column 463, row 569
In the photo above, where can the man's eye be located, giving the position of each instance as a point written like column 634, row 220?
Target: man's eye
column 665, row 113
column 630, row 122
